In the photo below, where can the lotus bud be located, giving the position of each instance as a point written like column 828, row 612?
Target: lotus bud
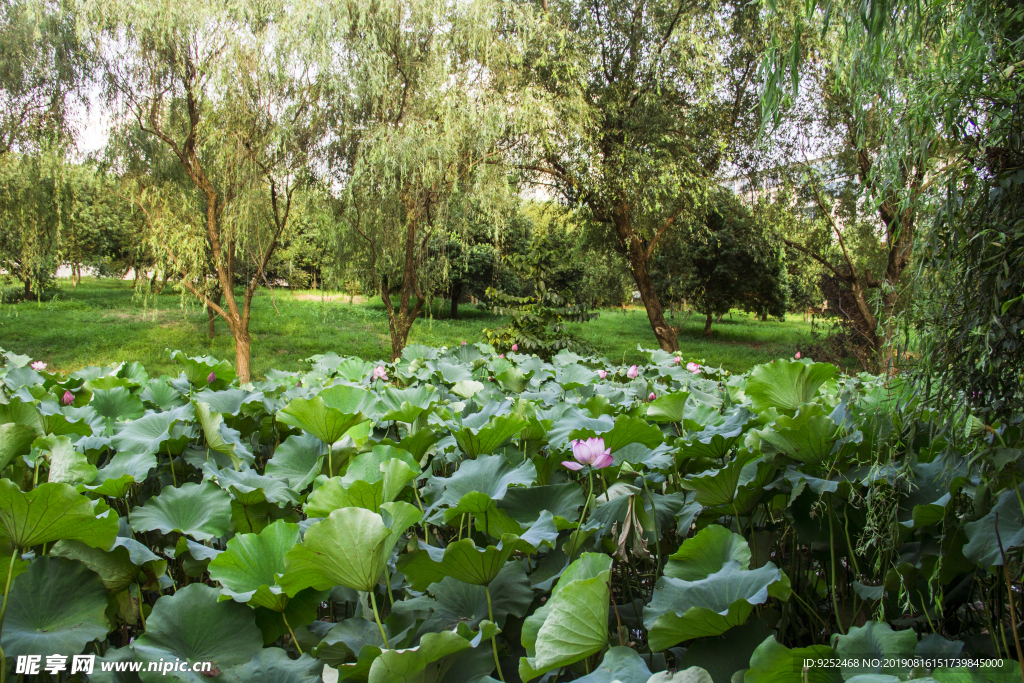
column 211, row 378
column 632, row 373
column 68, row 397
column 515, row 347
column 651, row 397
column 797, row 355
column 693, row 367
column 501, row 355
column 602, row 373
column 463, row 342
column 39, row 365
column 678, row 360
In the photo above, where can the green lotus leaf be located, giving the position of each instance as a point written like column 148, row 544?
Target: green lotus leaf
column 406, row 405
column 435, row 655
column 273, row 665
column 773, row 662
column 354, row 641
column 874, row 640
column 150, row 432
column 301, row 610
column 786, row 385
column 128, row 562
column 231, row 401
column 694, row 674
column 622, row 664
column 58, row 423
column 369, row 466
column 202, row 511
column 116, row 405
column 629, row 430
column 490, row 474
column 573, row 624
column 195, row 626
column 668, row 408
column 718, row 487
column 123, row 470
column 15, row 440
column 728, row 654
column 67, row 466
column 573, row 376
column 983, row 546
column 220, row 437
column 467, row 388
column 706, row 553
column 476, row 442
column 682, row 610
column 807, row 437
column 159, row 394
column 249, row 487
column 349, row 548
column 453, row 372
column 573, row 424
column 23, row 413
column 513, row 380
column 317, row 418
column 297, row 461
column 197, row 370
column 56, row 607
column 51, row 512
column 248, row 569
column 462, row 560
column 457, row 602
column 525, row 504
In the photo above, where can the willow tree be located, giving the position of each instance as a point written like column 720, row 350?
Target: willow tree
column 645, row 101
column 410, row 80
column 45, row 70
column 213, row 86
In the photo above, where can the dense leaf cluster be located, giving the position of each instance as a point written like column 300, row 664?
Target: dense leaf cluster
column 414, row 521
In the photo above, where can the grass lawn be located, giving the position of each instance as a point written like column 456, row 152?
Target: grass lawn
column 103, row 321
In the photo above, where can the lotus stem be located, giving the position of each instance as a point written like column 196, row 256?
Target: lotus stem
column 142, row 613
column 835, row 599
column 376, row 616
column 294, row 639
column 3, row 612
column 654, row 518
column 170, row 461
column 1009, row 592
column 494, row 640
column 590, row 492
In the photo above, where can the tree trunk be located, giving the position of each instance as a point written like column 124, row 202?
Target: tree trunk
column 637, row 256
column 456, row 294
column 243, row 342
column 707, row 324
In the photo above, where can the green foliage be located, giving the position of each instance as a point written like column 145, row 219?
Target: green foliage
column 726, row 261
column 438, row 535
column 537, row 322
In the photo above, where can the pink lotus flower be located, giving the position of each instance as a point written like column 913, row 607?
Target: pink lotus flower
column 798, row 355
column 211, row 378
column 651, row 397
column 602, row 373
column 68, row 397
column 515, row 347
column 501, row 355
column 632, row 373
column 693, row 367
column 380, row 372
column 590, row 452
column 39, row 365
column 678, row 360
column 463, row 342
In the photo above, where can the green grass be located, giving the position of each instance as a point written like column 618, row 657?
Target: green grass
column 103, row 321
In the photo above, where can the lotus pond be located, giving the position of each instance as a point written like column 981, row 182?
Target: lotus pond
column 461, row 516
